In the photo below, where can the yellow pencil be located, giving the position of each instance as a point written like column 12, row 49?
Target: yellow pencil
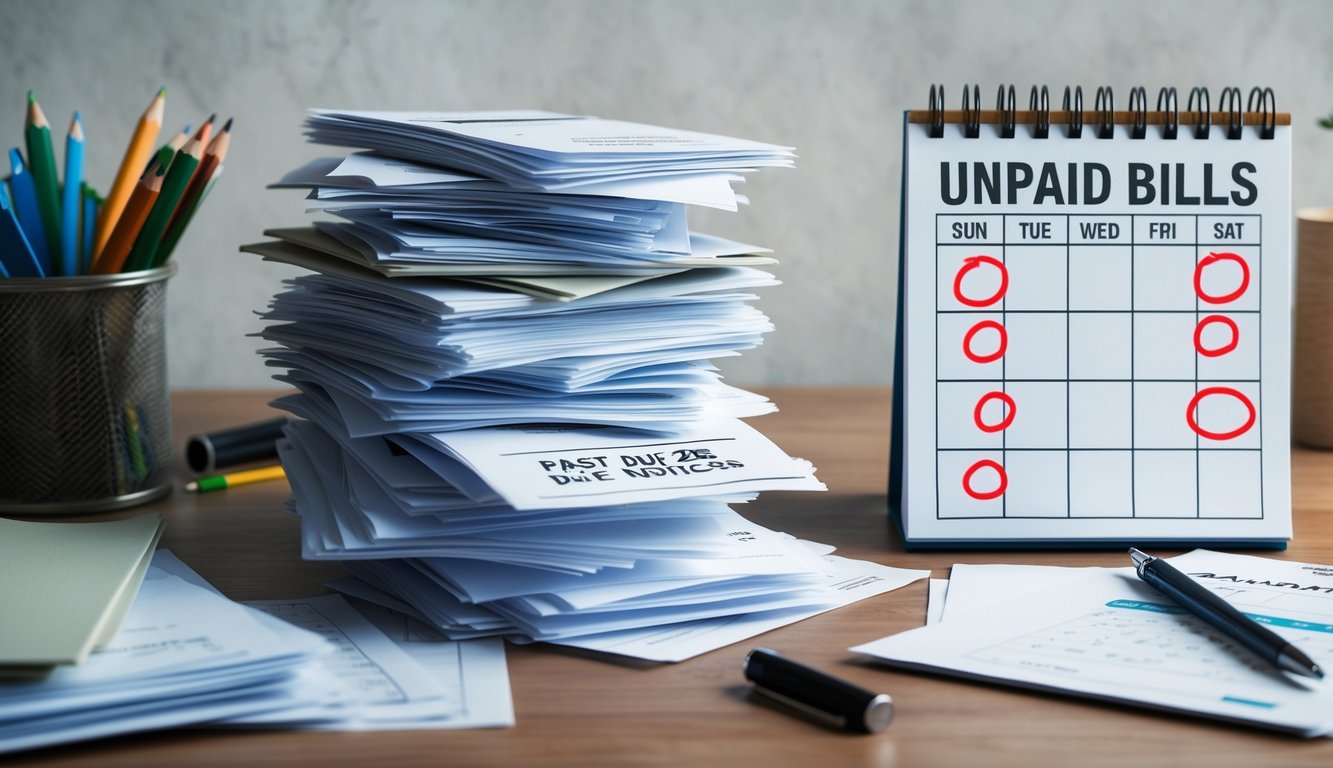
column 218, row 482
column 131, row 168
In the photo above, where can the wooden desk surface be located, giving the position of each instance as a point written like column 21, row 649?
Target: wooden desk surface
column 575, row 709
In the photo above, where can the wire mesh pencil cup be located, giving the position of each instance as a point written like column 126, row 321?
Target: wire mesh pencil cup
column 85, row 415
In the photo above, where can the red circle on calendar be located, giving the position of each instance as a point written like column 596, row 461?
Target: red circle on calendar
column 1009, row 411
column 1216, row 351
column 1219, row 392
column 1216, row 258
column 975, row 262
column 999, row 348
column 985, row 495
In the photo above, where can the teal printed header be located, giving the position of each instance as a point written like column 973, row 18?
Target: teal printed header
column 1272, row 621
column 1140, row 605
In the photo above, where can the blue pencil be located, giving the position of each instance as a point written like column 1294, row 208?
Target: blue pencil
column 16, row 256
column 25, row 206
column 71, row 219
column 91, row 208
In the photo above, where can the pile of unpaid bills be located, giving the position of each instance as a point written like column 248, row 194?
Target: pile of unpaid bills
column 510, row 422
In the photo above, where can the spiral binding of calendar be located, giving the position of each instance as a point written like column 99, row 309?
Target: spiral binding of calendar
column 1259, row 110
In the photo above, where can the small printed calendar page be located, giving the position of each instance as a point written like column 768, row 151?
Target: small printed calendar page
column 1096, row 336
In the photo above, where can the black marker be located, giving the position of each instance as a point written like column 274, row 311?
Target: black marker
column 822, row 696
column 1204, row 603
column 238, row 445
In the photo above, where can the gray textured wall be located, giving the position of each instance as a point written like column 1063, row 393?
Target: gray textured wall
column 830, row 77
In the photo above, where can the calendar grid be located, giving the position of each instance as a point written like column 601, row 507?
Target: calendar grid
column 1199, row 488
column 1006, row 335
column 1004, row 442
column 1133, row 377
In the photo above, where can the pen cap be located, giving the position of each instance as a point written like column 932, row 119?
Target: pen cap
column 847, row 705
column 229, row 447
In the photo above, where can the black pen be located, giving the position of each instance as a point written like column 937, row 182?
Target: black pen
column 823, row 697
column 1205, row 604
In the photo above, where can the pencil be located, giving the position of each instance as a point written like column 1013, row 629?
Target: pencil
column 42, row 166
column 28, row 211
column 183, row 165
column 131, row 169
column 205, row 131
column 16, row 256
column 247, row 477
column 134, row 442
column 131, row 220
column 70, row 208
column 91, row 204
column 175, row 142
column 194, row 194
column 172, row 146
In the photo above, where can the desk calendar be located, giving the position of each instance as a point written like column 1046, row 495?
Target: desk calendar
column 1094, row 330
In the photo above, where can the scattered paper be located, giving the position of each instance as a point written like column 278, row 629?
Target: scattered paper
column 847, row 582
column 382, row 674
column 184, row 655
column 1105, row 634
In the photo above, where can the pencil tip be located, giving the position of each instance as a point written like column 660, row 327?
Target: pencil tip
column 76, row 116
column 32, row 96
column 191, row 487
column 162, row 91
column 212, row 117
column 227, row 128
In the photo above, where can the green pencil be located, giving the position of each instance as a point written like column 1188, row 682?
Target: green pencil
column 144, row 254
column 42, row 165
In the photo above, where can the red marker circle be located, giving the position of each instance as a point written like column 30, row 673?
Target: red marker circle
column 1216, row 351
column 1227, row 391
column 978, row 328
column 985, row 495
column 971, row 263
column 1009, row 411
column 1213, row 258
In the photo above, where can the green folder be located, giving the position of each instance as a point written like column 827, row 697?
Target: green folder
column 64, row 587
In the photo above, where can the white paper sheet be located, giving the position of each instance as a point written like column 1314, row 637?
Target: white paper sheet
column 388, row 672
column 1108, row 635
column 475, row 669
column 423, row 330
column 975, row 587
column 376, row 684
column 183, row 655
column 556, row 468
column 848, row 581
column 936, row 594
column 547, row 150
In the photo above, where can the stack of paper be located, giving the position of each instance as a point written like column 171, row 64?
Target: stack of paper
column 539, row 446
column 1103, row 633
column 530, row 149
column 380, row 673
column 185, row 655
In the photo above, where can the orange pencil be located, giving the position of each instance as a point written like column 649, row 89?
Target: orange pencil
column 131, row 221
column 136, row 156
column 206, row 130
column 194, row 193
